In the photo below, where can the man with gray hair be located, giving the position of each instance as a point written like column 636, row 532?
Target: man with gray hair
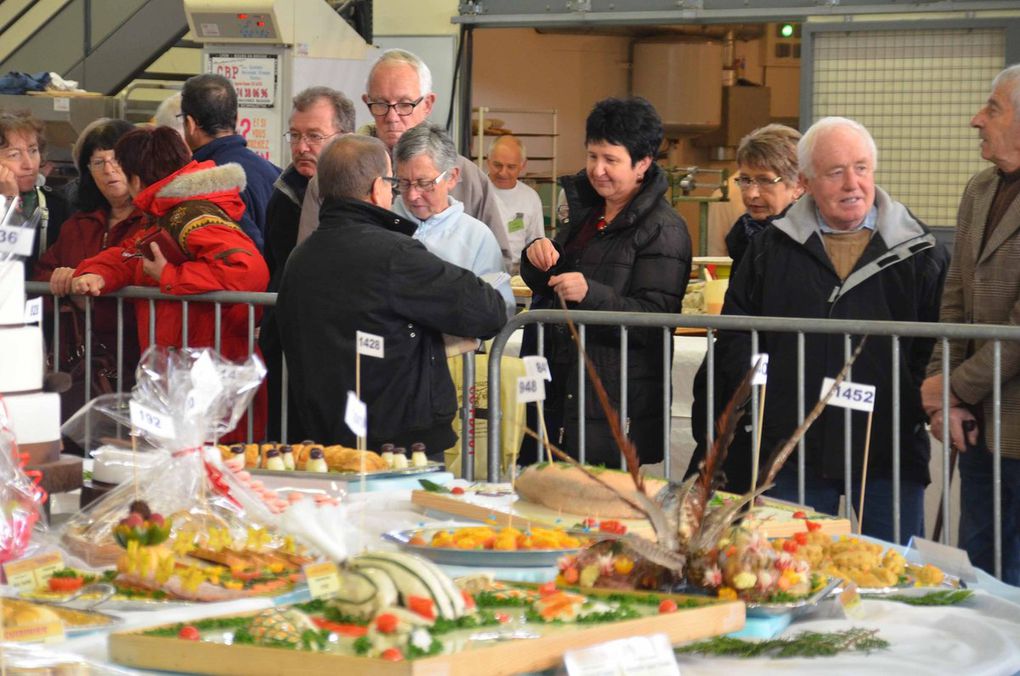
column 362, row 271
column 982, row 288
column 320, row 114
column 845, row 250
column 520, row 204
column 427, row 172
column 399, row 95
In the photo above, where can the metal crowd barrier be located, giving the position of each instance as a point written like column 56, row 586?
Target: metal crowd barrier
column 756, row 325
column 218, row 299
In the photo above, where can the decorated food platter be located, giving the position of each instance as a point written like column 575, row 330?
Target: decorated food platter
column 322, row 637
column 75, row 622
column 475, row 545
column 392, row 473
column 795, row 607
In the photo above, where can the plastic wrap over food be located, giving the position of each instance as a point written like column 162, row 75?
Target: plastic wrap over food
column 181, row 398
column 38, row 659
column 21, row 497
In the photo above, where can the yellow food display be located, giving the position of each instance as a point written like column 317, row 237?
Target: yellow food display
column 867, row 564
column 500, row 539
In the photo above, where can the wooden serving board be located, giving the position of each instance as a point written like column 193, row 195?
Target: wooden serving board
column 774, row 517
column 508, row 657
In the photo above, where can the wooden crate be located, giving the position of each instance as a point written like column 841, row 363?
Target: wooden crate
column 509, row 657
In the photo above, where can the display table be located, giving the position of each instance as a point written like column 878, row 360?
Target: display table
column 980, row 636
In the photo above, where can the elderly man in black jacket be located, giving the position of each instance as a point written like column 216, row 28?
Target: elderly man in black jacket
column 362, row 271
column 846, row 250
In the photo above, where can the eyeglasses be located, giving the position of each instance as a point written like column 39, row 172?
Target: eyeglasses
column 99, row 163
column 403, row 108
column 311, row 138
column 745, row 182
column 394, row 183
column 421, row 185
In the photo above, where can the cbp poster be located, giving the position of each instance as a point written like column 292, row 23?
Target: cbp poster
column 256, row 79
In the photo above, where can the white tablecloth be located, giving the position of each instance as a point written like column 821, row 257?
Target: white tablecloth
column 981, row 636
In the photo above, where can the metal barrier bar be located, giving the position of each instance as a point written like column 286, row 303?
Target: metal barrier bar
column 848, row 501
column 997, row 455
column 581, row 380
column 801, row 327
column 184, row 324
column 623, row 390
column 467, row 417
column 541, row 452
column 667, row 388
column 945, row 442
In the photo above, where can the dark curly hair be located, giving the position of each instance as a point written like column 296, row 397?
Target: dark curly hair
column 211, row 101
column 101, row 136
column 151, row 153
column 631, row 122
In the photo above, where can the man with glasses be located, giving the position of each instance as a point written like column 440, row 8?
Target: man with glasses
column 845, row 250
column 209, row 113
column 362, row 271
column 320, row 114
column 22, row 145
column 399, row 95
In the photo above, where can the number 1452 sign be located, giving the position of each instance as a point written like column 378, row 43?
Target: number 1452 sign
column 850, row 395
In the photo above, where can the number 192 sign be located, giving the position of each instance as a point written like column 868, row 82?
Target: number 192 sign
column 850, row 395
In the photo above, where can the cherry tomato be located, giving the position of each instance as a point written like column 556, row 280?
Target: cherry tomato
column 386, row 623
column 423, row 606
column 800, row 537
column 457, row 490
column 667, row 606
column 547, row 589
column 612, row 526
column 812, row 526
column 65, row 584
column 799, row 515
column 790, row 546
column 189, row 633
column 392, row 655
column 570, row 575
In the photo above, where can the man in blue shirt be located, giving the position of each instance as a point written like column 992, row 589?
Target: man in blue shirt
column 209, row 109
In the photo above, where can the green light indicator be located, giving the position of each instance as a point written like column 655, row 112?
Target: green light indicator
column 787, row 30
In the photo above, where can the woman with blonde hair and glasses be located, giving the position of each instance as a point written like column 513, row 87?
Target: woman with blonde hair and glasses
column 768, row 182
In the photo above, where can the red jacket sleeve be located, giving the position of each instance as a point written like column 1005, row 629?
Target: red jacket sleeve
column 113, row 266
column 225, row 259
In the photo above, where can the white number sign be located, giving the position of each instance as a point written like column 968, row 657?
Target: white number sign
column 537, row 366
column 760, row 364
column 154, row 422
column 850, row 395
column 370, row 344
column 530, row 388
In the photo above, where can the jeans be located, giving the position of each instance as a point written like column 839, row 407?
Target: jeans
column 823, row 495
column 977, row 530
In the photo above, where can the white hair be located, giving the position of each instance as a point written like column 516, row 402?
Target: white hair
column 1010, row 76
column 404, row 56
column 167, row 112
column 509, row 138
column 807, row 143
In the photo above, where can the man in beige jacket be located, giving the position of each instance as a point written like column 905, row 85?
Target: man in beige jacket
column 983, row 287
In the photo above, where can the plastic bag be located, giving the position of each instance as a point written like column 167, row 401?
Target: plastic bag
column 183, row 397
column 38, row 659
column 21, row 497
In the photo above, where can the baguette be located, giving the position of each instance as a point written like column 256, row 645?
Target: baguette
column 566, row 488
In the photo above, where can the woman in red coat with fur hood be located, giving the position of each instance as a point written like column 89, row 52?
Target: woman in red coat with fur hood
column 198, row 205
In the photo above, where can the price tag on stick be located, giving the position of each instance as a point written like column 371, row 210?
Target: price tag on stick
column 16, row 240
column 369, row 344
column 760, row 364
column 33, row 310
column 850, row 395
column 529, row 389
column 535, row 365
column 323, row 579
column 356, row 415
column 147, row 420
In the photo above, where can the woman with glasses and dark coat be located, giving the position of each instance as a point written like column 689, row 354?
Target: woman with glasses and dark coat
column 768, row 182
column 624, row 249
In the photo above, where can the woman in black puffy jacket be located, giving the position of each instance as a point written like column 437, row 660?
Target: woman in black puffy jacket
column 623, row 249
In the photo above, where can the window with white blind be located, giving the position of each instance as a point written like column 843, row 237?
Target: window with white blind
column 915, row 91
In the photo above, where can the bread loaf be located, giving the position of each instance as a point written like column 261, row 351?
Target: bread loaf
column 566, row 488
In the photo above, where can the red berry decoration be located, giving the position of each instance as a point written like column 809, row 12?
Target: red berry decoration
column 386, row 623
column 667, row 606
column 189, row 633
column 799, row 515
column 392, row 655
column 812, row 526
column 457, row 490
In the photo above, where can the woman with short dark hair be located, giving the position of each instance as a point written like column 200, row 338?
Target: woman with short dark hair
column 622, row 249
column 197, row 205
column 105, row 217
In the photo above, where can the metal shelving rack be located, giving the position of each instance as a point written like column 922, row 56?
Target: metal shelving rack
column 548, row 120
